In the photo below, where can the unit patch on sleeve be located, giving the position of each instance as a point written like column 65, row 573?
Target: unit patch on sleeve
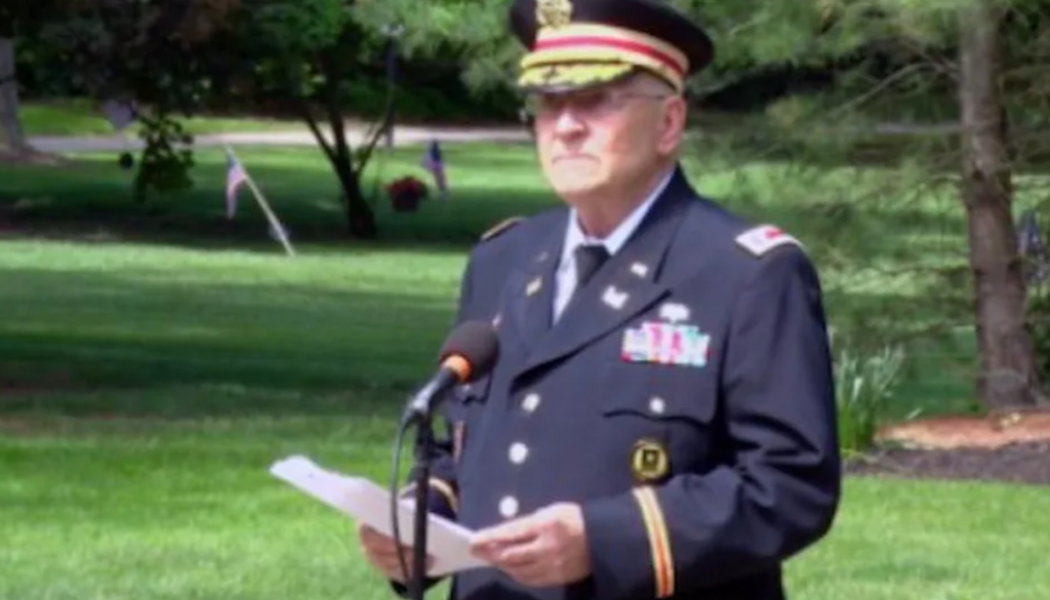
column 760, row 240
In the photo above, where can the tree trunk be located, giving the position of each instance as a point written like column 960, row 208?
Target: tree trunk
column 361, row 221
column 1008, row 374
column 359, row 216
column 12, row 139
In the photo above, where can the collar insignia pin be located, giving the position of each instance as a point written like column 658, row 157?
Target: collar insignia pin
column 614, row 297
column 534, row 286
column 674, row 312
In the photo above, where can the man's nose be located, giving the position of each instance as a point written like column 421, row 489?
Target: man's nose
column 567, row 123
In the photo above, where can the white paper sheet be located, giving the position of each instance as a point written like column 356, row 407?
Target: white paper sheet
column 367, row 502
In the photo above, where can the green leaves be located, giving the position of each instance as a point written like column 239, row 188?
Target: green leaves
column 166, row 159
column 298, row 27
column 864, row 384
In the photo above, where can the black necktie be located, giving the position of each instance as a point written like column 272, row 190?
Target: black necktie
column 588, row 260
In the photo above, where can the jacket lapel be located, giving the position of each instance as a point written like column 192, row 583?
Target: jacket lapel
column 625, row 286
column 532, row 291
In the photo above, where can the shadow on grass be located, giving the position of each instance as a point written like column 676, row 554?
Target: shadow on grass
column 85, row 202
column 97, row 344
column 868, row 230
column 85, row 205
column 104, row 344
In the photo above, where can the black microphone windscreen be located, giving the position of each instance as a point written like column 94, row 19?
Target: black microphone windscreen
column 475, row 341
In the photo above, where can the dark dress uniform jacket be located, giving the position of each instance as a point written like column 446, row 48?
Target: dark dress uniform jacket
column 697, row 478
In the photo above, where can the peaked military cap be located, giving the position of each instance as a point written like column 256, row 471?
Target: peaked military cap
column 574, row 44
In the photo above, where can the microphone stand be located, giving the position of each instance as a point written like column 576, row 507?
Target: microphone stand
column 424, row 435
column 421, row 415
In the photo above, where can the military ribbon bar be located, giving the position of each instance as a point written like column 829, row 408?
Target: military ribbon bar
column 666, row 343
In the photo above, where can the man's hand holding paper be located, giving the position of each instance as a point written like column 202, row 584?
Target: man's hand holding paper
column 382, row 551
column 545, row 548
column 369, row 504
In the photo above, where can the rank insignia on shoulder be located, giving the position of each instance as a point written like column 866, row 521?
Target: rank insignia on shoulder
column 500, row 227
column 760, row 240
column 649, row 461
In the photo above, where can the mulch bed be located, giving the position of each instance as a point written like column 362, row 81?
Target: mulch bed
column 1020, row 463
column 1009, row 448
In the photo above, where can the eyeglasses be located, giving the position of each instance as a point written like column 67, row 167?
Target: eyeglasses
column 586, row 104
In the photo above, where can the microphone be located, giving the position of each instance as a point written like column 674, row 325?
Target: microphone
column 469, row 353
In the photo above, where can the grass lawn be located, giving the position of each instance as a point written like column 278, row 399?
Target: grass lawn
column 154, row 361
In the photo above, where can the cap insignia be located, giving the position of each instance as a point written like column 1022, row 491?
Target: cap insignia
column 553, row 13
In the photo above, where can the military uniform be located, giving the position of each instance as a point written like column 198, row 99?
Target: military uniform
column 683, row 397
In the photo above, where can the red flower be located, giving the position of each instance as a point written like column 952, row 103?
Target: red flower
column 406, row 186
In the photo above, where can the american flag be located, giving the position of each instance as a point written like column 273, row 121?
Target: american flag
column 1032, row 249
column 120, row 114
column 235, row 176
column 432, row 162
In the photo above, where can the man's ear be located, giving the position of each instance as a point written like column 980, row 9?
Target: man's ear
column 672, row 127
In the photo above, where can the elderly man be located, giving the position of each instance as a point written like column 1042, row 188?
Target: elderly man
column 661, row 423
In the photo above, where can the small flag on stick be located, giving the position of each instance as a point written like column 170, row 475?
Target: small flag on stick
column 433, row 162
column 120, row 114
column 236, row 175
column 1032, row 249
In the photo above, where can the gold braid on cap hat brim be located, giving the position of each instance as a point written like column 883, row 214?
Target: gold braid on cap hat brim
column 592, row 51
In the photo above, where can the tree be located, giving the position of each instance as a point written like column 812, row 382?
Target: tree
column 12, row 140
column 15, row 16
column 172, row 57
column 309, row 49
column 112, row 48
column 1009, row 372
column 148, row 53
column 887, row 49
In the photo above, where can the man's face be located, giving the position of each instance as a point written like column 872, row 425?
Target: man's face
column 597, row 140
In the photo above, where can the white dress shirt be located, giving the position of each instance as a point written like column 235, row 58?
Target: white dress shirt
column 574, row 236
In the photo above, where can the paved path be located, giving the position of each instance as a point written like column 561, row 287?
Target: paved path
column 404, row 135
column 355, row 134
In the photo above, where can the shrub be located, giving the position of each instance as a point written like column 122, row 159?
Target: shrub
column 864, row 385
